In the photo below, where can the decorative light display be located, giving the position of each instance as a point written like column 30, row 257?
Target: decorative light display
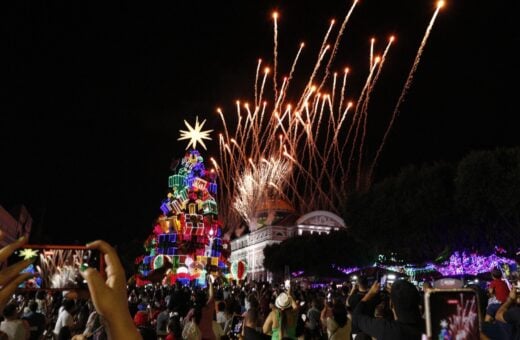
column 462, row 263
column 459, row 263
column 195, row 134
column 187, row 237
column 239, row 270
column 345, row 270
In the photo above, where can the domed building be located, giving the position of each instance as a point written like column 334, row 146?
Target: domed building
column 275, row 221
column 271, row 212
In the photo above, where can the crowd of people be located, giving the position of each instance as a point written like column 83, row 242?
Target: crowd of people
column 226, row 311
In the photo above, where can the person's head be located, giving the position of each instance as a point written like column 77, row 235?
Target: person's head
column 315, row 303
column 33, row 306
column 197, row 315
column 339, row 313
column 173, row 326
column 496, row 273
column 221, row 306
column 404, row 301
column 283, row 301
column 200, row 298
column 253, row 301
column 40, row 295
column 68, row 304
column 10, row 311
column 362, row 282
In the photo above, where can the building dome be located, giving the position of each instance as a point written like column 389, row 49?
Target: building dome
column 276, row 204
column 270, row 212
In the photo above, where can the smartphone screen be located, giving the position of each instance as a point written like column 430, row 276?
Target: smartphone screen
column 236, row 326
column 57, row 267
column 452, row 314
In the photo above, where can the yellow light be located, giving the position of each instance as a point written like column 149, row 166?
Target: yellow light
column 195, row 134
column 440, row 4
column 267, row 70
column 275, row 15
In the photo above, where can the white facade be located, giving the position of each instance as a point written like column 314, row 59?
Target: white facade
column 250, row 247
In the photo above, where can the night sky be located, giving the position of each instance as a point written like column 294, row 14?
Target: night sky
column 94, row 94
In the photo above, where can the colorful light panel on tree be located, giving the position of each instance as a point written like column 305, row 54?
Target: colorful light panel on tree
column 187, row 238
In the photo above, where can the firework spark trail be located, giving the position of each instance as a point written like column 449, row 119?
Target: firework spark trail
column 371, row 61
column 335, row 78
column 336, row 133
column 256, row 80
column 321, row 53
column 343, row 89
column 356, row 122
column 281, row 99
column 462, row 324
column 336, row 44
column 266, row 72
column 275, row 55
column 317, row 177
column 364, row 110
column 406, row 87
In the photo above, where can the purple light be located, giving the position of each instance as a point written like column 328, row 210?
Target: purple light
column 345, row 270
column 298, row 273
column 471, row 264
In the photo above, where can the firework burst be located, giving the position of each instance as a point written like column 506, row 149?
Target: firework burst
column 308, row 150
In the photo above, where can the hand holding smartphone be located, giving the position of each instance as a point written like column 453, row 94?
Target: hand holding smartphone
column 452, row 314
column 57, row 267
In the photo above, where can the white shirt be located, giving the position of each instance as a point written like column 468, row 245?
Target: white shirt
column 64, row 319
column 14, row 329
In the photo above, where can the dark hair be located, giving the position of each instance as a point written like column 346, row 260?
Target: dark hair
column 68, row 304
column 200, row 298
column 174, row 326
column 362, row 281
column 405, row 298
column 339, row 312
column 254, row 310
column 221, row 306
column 197, row 315
column 40, row 294
column 33, row 306
column 9, row 310
column 496, row 273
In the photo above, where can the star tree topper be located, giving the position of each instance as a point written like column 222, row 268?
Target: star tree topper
column 195, row 134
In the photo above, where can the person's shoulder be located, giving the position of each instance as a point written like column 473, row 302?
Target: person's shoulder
column 512, row 315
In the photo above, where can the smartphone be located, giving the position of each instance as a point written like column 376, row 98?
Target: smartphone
column 382, row 283
column 236, row 326
column 452, row 314
column 287, row 284
column 57, row 267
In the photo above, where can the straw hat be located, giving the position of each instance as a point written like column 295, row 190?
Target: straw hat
column 283, row 301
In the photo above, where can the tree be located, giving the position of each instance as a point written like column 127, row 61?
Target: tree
column 315, row 254
column 187, row 234
column 488, row 196
column 410, row 214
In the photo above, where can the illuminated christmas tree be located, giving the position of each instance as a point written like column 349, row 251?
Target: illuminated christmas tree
column 186, row 242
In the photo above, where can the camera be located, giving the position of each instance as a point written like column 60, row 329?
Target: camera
column 57, row 267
